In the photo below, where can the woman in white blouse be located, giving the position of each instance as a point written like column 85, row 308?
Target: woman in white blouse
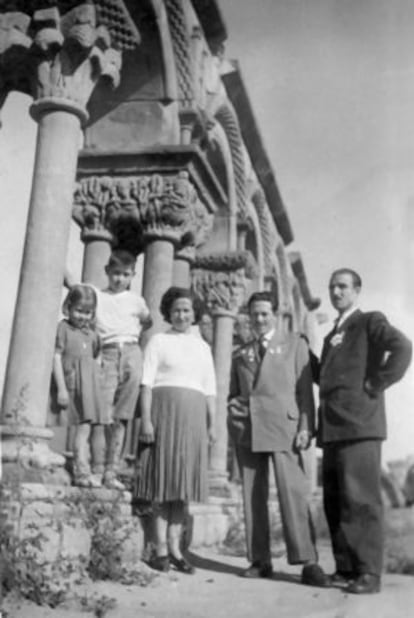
column 177, row 402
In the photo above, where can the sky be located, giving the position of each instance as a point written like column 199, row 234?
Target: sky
column 332, row 86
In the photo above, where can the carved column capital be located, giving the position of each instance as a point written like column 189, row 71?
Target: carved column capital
column 166, row 206
column 200, row 228
column 219, row 280
column 155, row 206
column 61, row 54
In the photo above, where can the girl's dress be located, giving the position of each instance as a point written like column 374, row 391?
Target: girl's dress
column 79, row 349
column 179, row 369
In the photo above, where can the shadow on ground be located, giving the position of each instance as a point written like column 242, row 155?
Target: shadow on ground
column 215, row 566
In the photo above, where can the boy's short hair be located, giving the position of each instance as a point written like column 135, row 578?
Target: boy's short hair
column 264, row 296
column 120, row 257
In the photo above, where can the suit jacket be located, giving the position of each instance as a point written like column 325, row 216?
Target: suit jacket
column 371, row 349
column 269, row 399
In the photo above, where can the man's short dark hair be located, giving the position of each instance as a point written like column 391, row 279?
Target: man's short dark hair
column 263, row 297
column 356, row 279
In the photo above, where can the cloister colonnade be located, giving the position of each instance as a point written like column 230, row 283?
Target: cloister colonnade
column 172, row 167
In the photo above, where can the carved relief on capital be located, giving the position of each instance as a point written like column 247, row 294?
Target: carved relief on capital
column 219, row 280
column 97, row 202
column 165, row 207
column 200, row 228
column 63, row 53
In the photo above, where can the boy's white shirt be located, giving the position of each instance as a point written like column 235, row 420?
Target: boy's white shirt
column 119, row 316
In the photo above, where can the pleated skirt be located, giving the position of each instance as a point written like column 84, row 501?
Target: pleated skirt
column 174, row 467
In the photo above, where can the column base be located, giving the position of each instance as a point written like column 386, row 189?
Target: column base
column 218, row 483
column 27, row 457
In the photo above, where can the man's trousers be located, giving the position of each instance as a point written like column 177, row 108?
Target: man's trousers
column 293, row 490
column 351, row 477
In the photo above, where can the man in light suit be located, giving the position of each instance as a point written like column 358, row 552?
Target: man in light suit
column 271, row 419
column 361, row 357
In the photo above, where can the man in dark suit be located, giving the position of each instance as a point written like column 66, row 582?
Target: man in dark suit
column 271, row 419
column 362, row 356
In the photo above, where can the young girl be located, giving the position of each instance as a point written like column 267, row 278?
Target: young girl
column 77, row 376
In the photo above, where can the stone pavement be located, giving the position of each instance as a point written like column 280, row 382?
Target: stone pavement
column 217, row 591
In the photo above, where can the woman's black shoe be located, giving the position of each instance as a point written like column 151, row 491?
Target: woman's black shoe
column 160, row 563
column 181, row 564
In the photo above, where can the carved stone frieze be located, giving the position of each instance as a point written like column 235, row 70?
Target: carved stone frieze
column 219, row 280
column 58, row 53
column 160, row 206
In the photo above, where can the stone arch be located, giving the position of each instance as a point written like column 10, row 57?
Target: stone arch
column 227, row 117
column 297, row 313
column 268, row 233
column 272, row 281
column 253, row 242
column 218, row 153
column 284, row 300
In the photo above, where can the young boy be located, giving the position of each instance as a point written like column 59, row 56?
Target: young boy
column 121, row 316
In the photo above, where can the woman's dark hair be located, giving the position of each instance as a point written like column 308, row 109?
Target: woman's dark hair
column 169, row 298
column 80, row 294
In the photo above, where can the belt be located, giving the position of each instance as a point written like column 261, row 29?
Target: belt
column 119, row 345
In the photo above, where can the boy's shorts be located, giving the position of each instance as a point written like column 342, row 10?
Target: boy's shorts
column 122, row 371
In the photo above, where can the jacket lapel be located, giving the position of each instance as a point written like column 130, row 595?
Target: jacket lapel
column 276, row 350
column 249, row 357
column 330, row 349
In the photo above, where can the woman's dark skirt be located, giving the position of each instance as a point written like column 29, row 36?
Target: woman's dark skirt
column 174, row 467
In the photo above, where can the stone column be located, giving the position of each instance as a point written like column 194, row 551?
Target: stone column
column 219, row 280
column 95, row 256
column 68, row 55
column 158, row 269
column 167, row 216
column 183, row 259
column 97, row 248
column 222, row 352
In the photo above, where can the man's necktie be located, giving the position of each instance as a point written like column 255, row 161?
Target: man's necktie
column 261, row 348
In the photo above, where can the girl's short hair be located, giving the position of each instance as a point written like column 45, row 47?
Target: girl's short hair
column 169, row 298
column 80, row 294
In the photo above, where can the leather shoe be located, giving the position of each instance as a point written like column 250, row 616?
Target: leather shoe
column 256, row 569
column 181, row 564
column 160, row 563
column 365, row 584
column 314, row 575
column 341, row 578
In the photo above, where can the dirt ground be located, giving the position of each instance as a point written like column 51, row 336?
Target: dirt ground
column 217, row 591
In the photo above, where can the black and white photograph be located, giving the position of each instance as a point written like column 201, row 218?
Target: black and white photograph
column 207, row 312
